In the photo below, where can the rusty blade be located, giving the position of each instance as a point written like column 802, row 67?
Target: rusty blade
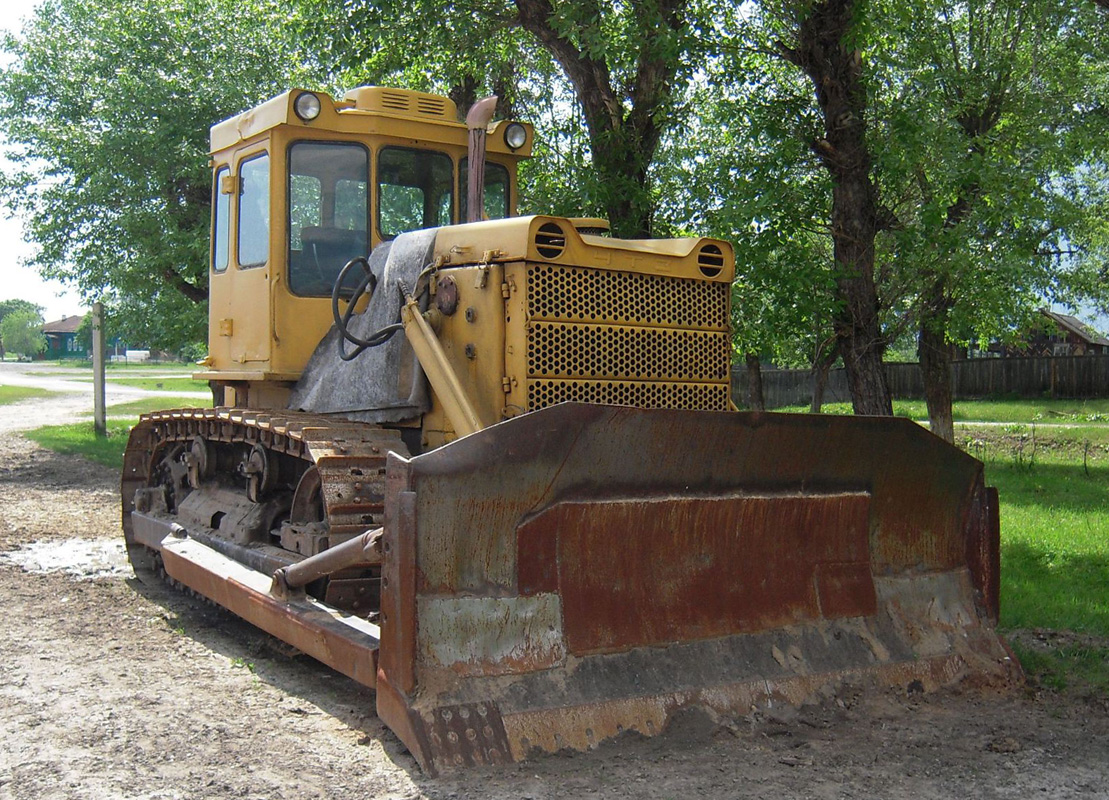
column 585, row 570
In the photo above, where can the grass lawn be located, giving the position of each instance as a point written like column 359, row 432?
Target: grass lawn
column 148, row 404
column 1019, row 411
column 158, row 382
column 15, row 394
column 80, row 438
column 85, row 366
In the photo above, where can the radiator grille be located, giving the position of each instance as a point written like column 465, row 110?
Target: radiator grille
column 557, row 350
column 649, row 341
column 706, row 396
column 594, row 295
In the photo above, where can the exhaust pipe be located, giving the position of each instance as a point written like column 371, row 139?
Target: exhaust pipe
column 477, row 120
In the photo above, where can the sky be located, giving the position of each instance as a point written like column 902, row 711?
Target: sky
column 16, row 280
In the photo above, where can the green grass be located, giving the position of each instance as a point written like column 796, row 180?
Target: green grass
column 148, row 366
column 147, row 404
column 1024, row 411
column 1053, row 485
column 1055, row 546
column 115, row 366
column 16, row 394
column 1078, row 665
column 80, row 439
column 160, row 383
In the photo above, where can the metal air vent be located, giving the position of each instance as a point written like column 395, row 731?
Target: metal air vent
column 550, row 240
column 710, row 260
column 394, row 100
column 432, row 106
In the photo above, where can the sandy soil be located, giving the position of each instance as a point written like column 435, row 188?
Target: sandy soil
column 113, row 689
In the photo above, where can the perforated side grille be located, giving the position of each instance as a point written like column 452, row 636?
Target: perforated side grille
column 705, row 396
column 558, row 350
column 592, row 295
column 623, row 338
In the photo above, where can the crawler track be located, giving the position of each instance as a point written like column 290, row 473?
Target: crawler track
column 332, row 470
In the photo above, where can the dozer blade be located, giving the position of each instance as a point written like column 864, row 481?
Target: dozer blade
column 581, row 571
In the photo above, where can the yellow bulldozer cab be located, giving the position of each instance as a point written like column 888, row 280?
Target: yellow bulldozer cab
column 302, row 184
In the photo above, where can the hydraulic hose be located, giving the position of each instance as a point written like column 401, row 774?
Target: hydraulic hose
column 368, row 284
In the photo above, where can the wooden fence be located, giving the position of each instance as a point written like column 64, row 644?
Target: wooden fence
column 1063, row 376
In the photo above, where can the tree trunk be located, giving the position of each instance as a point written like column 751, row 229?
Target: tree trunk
column 935, row 362
column 820, row 370
column 835, row 69
column 755, row 399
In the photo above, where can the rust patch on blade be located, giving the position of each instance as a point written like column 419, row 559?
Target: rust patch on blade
column 635, row 572
column 845, row 590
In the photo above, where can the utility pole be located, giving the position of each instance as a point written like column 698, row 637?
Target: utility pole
column 99, row 414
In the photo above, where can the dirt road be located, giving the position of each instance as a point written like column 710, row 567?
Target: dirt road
column 113, row 689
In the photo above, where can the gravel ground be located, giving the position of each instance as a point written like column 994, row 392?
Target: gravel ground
column 113, row 689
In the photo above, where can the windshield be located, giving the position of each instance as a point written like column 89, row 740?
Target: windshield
column 415, row 190
column 328, row 213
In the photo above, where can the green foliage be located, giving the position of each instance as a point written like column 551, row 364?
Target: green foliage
column 11, row 306
column 106, row 105
column 21, row 333
column 981, row 160
column 8, row 306
column 603, row 81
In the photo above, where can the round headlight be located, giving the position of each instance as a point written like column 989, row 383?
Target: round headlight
column 307, row 106
column 515, row 135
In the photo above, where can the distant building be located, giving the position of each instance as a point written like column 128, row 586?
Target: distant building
column 61, row 338
column 1054, row 335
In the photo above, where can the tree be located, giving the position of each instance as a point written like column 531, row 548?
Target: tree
column 21, row 332
column 982, row 152
column 11, row 306
column 954, row 150
column 825, row 45
column 743, row 170
column 106, row 105
column 624, row 64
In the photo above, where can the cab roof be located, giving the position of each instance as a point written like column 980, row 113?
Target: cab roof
column 366, row 110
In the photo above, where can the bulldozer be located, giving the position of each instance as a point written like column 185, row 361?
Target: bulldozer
column 489, row 464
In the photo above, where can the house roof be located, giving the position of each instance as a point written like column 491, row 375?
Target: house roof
column 1077, row 327
column 64, row 325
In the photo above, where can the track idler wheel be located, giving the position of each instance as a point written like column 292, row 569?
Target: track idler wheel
column 261, row 473
column 201, row 462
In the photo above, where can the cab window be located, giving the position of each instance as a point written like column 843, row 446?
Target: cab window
column 496, row 190
column 415, row 190
column 328, row 213
column 254, row 211
column 221, row 221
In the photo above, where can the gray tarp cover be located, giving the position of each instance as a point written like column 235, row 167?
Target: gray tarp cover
column 385, row 383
